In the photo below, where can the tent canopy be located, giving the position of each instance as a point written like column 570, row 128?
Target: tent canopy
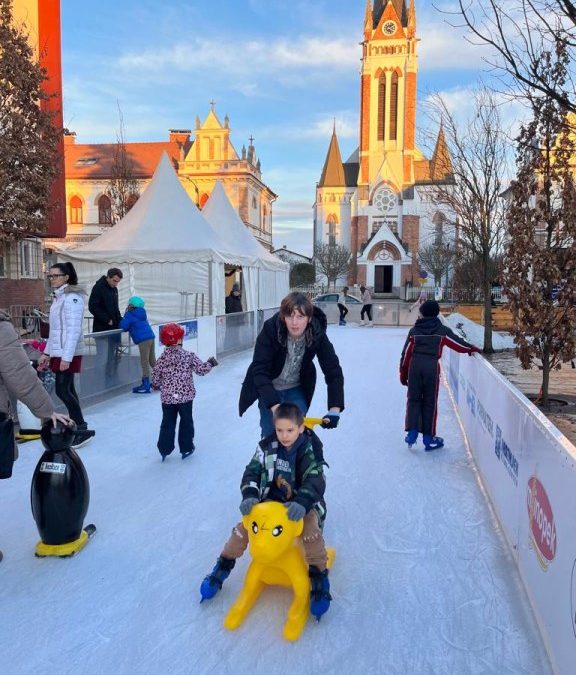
column 169, row 252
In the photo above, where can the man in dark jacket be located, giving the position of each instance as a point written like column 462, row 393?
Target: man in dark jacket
column 420, row 371
column 233, row 301
column 282, row 368
column 103, row 306
column 103, row 303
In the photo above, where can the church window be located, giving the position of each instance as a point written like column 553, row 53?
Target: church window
column 332, row 222
column 254, row 202
column 394, row 107
column 438, row 220
column 76, row 216
column 264, row 215
column 381, row 106
column 385, row 200
column 104, row 210
column 132, row 199
column 211, row 149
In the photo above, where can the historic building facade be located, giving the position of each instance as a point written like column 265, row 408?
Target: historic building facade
column 378, row 203
column 199, row 162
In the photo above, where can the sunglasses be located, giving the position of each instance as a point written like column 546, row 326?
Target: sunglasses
column 54, row 276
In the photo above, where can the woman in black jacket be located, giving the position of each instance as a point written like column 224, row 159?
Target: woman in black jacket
column 282, row 368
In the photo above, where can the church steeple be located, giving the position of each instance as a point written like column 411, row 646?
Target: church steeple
column 441, row 163
column 380, row 6
column 368, row 20
column 333, row 171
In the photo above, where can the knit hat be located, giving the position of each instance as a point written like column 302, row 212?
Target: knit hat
column 236, row 287
column 135, row 301
column 429, row 309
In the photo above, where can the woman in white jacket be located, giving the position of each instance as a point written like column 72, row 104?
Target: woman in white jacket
column 66, row 343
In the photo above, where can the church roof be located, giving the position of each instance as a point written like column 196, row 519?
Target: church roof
column 333, row 171
column 95, row 161
column 380, row 6
column 441, row 162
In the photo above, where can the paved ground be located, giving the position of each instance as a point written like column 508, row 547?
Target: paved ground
column 562, row 386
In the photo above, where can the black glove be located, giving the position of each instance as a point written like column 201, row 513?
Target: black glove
column 212, row 361
column 330, row 420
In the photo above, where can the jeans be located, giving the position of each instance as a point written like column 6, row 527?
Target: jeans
column 366, row 309
column 66, row 392
column 170, row 412
column 295, row 395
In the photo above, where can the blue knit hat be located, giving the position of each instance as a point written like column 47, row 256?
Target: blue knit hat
column 135, row 301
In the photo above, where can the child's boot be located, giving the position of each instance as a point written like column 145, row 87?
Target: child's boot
column 319, row 592
column 432, row 442
column 411, row 437
column 144, row 388
column 213, row 582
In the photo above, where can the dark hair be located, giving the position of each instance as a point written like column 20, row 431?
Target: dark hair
column 289, row 411
column 114, row 272
column 362, row 288
column 67, row 268
column 296, row 302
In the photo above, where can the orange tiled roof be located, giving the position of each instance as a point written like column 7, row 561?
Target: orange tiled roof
column 95, row 161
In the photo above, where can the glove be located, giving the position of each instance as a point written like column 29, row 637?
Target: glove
column 403, row 380
column 295, row 511
column 330, row 420
column 212, row 361
column 246, row 505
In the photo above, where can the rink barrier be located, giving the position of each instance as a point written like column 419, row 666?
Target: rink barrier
column 528, row 469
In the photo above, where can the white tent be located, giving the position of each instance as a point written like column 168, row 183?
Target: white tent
column 170, row 255
column 266, row 277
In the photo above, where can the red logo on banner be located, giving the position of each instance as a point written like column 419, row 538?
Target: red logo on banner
column 542, row 527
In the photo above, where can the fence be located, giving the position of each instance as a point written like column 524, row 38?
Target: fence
column 383, row 313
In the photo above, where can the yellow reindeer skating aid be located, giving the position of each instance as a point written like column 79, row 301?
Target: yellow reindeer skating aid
column 277, row 560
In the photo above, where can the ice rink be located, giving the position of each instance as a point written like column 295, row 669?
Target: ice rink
column 422, row 584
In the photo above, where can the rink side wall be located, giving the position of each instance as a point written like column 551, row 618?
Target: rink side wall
column 528, row 469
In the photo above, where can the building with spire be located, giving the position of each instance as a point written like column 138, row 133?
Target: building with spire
column 379, row 202
column 199, row 161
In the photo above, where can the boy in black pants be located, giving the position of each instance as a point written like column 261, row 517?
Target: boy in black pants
column 420, row 371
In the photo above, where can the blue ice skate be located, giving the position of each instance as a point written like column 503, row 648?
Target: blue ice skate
column 432, row 442
column 411, row 437
column 320, row 592
column 144, row 388
column 213, row 582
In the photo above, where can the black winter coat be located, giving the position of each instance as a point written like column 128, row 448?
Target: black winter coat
column 233, row 304
column 103, row 306
column 270, row 355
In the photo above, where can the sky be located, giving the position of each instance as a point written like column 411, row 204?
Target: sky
column 282, row 71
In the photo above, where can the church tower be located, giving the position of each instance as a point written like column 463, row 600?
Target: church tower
column 388, row 94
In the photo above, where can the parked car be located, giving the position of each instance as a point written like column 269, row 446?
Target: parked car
column 333, row 297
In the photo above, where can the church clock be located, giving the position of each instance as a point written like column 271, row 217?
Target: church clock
column 389, row 28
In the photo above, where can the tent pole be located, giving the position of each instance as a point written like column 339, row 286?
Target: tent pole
column 258, row 305
column 210, row 287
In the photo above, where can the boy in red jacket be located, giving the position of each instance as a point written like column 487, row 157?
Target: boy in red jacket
column 420, row 371
column 173, row 375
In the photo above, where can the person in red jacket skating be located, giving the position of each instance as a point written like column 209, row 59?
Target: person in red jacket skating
column 420, row 372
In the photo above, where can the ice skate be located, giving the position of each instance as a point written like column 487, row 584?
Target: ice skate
column 432, row 442
column 411, row 437
column 320, row 592
column 82, row 436
column 213, row 582
column 187, row 453
column 362, row 323
column 143, row 388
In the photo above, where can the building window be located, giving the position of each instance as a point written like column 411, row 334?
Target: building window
column 438, row 221
column 332, row 222
column 29, row 253
column 104, row 210
column 394, row 107
column 254, row 205
column 132, row 199
column 76, row 214
column 264, row 216
column 385, row 200
column 381, row 106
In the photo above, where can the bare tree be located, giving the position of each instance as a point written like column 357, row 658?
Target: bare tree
column 123, row 188
column 479, row 154
column 332, row 260
column 437, row 258
column 28, row 139
column 540, row 263
column 520, row 33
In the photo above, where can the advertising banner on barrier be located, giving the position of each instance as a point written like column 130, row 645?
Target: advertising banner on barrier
column 529, row 471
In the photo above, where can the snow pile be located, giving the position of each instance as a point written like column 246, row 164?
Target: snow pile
column 474, row 333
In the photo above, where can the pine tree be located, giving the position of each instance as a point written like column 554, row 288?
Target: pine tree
column 28, row 140
column 540, row 262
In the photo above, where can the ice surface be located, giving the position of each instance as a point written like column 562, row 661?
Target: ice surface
column 423, row 583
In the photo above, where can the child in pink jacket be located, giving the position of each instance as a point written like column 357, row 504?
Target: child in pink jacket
column 173, row 375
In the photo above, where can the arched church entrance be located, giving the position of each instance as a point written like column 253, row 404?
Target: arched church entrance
column 386, row 261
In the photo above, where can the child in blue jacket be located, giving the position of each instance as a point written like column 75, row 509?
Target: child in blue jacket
column 136, row 323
